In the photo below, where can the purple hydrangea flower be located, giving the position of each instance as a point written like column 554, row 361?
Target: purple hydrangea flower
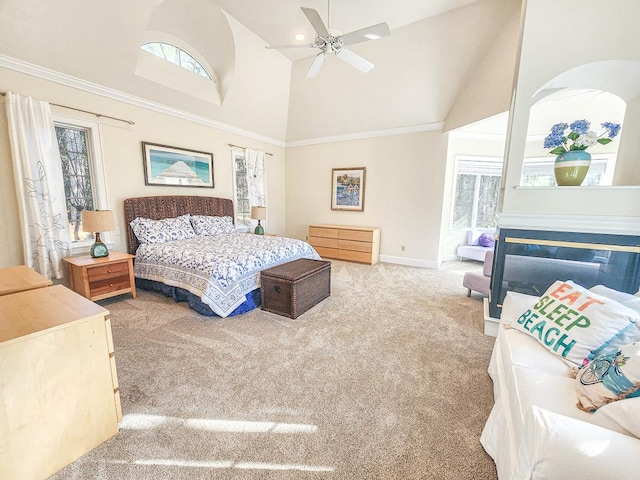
column 612, row 129
column 553, row 140
column 580, row 126
column 559, row 128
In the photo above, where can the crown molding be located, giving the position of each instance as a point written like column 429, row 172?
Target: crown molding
column 571, row 223
column 427, row 127
column 90, row 87
column 93, row 88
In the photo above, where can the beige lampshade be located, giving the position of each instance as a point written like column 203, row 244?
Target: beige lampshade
column 97, row 221
column 259, row 213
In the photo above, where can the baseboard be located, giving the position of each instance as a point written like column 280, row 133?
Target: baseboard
column 409, row 262
column 450, row 257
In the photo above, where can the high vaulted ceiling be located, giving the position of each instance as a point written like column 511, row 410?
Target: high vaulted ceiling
column 277, row 21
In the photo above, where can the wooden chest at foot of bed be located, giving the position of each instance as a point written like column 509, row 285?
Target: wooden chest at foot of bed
column 293, row 288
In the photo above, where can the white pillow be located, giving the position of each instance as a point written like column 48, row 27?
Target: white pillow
column 578, row 325
column 160, row 231
column 610, row 377
column 209, row 225
column 622, row 416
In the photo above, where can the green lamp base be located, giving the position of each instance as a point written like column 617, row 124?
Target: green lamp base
column 259, row 230
column 99, row 250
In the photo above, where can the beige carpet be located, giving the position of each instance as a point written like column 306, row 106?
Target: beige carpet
column 386, row 379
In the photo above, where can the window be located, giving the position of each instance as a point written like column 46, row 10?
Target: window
column 249, row 188
column 176, row 56
column 241, row 190
column 475, row 198
column 538, row 172
column 82, row 170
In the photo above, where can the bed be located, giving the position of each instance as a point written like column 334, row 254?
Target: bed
column 217, row 274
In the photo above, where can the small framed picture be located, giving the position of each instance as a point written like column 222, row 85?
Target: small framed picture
column 347, row 189
column 178, row 167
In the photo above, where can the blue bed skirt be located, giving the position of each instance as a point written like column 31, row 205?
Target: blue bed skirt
column 181, row 295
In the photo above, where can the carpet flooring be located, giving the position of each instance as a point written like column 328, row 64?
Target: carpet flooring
column 385, row 379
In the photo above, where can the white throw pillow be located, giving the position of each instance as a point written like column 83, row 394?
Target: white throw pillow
column 160, row 231
column 577, row 324
column 610, row 377
column 622, row 416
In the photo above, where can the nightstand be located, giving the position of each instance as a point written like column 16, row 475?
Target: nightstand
column 99, row 278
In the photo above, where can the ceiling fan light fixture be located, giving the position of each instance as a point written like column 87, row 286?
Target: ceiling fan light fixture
column 299, row 36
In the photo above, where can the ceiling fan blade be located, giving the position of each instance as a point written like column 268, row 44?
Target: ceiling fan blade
column 315, row 66
column 305, row 45
column 355, row 60
column 316, row 22
column 369, row 33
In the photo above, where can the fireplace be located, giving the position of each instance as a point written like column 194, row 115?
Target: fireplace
column 529, row 261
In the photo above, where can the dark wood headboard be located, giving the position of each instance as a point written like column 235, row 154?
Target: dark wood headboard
column 169, row 206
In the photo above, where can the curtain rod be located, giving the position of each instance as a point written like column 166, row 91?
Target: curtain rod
column 238, row 146
column 4, row 94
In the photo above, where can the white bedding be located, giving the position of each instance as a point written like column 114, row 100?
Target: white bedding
column 220, row 269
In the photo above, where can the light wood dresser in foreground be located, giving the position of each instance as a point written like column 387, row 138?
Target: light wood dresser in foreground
column 355, row 244
column 59, row 396
column 20, row 278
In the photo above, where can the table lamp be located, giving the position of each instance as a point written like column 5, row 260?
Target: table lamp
column 259, row 213
column 98, row 221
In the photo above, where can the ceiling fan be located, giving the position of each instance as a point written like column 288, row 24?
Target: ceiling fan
column 333, row 42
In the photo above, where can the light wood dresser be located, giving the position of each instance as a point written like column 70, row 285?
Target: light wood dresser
column 20, row 278
column 59, row 396
column 355, row 244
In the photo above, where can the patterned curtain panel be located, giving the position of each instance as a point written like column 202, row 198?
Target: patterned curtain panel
column 39, row 184
column 256, row 178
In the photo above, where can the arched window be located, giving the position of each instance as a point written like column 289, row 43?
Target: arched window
column 176, row 56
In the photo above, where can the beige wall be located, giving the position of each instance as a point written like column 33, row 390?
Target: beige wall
column 122, row 156
column 403, row 192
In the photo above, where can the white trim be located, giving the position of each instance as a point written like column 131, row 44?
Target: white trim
column 571, row 223
column 410, row 262
column 84, row 85
column 427, row 127
column 69, row 81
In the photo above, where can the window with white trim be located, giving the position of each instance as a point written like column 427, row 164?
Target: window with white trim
column 177, row 56
column 538, row 172
column 241, row 190
column 476, row 190
column 83, row 175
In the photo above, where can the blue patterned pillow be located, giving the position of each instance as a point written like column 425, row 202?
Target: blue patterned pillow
column 159, row 231
column 207, row 225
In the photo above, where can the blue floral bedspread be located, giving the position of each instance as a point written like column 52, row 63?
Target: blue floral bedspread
column 220, row 269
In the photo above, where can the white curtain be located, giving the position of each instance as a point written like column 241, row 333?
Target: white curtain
column 39, row 184
column 256, row 178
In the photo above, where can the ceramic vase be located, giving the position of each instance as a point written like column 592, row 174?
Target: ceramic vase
column 571, row 167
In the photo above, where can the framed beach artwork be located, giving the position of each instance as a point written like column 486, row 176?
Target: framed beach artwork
column 178, row 167
column 347, row 189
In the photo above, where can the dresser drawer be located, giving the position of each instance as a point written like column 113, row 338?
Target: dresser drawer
column 355, row 246
column 108, row 271
column 108, row 285
column 323, row 232
column 357, row 235
column 327, row 252
column 323, row 242
column 361, row 257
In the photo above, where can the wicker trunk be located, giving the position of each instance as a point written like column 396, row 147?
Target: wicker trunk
column 293, row 288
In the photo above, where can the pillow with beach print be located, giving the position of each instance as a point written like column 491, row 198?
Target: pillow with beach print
column 610, row 377
column 578, row 325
